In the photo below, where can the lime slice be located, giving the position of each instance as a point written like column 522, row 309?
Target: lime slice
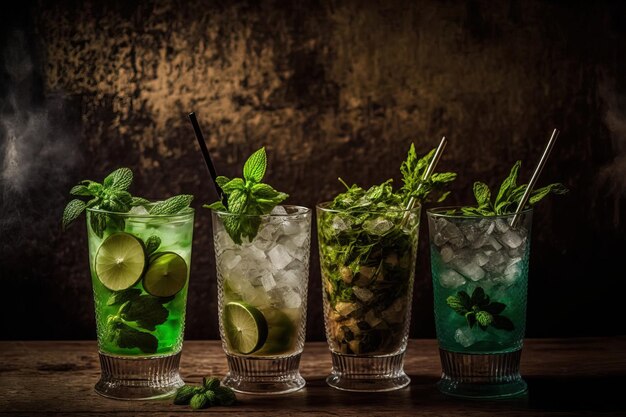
column 166, row 275
column 281, row 335
column 120, row 261
column 244, row 326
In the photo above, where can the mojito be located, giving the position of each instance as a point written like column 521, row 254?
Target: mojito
column 262, row 293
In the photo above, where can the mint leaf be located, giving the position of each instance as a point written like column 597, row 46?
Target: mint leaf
column 152, row 244
column 120, row 297
column 212, row 397
column 73, row 209
column 139, row 201
column 539, row 194
column 184, row 394
column 265, row 191
column 456, row 304
column 98, row 223
column 502, row 323
column 120, row 179
column 482, row 194
column 255, row 166
column 478, row 297
column 222, row 180
column 199, row 401
column 172, row 205
column 147, row 311
column 210, row 383
column 80, row 190
column 484, row 318
column 413, row 169
column 129, row 338
column 232, row 185
column 508, row 185
column 216, row 206
column 494, row 307
column 225, row 395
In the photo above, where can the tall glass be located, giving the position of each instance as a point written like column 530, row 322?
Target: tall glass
column 262, row 295
column 140, row 272
column 480, row 280
column 368, row 266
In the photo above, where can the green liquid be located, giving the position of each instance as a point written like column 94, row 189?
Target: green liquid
column 476, row 340
column 176, row 236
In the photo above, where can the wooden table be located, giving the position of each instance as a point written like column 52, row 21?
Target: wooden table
column 565, row 377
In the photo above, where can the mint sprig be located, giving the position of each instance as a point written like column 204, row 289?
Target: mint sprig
column 508, row 197
column 209, row 394
column 413, row 169
column 480, row 309
column 136, row 317
column 247, row 198
column 112, row 195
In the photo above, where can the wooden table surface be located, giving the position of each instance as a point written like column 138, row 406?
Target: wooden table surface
column 565, row 377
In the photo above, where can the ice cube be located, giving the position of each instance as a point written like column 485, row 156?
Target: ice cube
column 299, row 239
column 440, row 239
column 480, row 258
column 494, row 243
column 363, row 294
column 449, row 278
column 288, row 278
column 230, row 259
column 447, row 254
column 279, row 211
column 291, row 227
column 511, row 239
column 464, row 337
column 139, row 210
column 502, row 226
column 470, row 269
column 291, row 299
column 378, row 226
column 340, row 225
column 512, row 273
column 267, row 232
column 280, row 256
column 268, row 282
column 451, row 233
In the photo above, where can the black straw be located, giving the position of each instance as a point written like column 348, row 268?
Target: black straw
column 207, row 157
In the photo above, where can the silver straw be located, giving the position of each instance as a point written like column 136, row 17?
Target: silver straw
column 427, row 174
column 533, row 179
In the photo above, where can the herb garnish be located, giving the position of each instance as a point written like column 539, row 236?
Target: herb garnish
column 508, row 196
column 137, row 314
column 112, row 195
column 247, row 197
column 480, row 309
column 210, row 393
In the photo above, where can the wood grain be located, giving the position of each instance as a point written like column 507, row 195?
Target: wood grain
column 565, row 376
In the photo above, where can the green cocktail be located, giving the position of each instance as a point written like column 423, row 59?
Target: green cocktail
column 139, row 257
column 144, row 315
column 480, row 280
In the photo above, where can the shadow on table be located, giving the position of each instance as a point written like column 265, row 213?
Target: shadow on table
column 576, row 394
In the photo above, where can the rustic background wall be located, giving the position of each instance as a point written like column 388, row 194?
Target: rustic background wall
column 332, row 89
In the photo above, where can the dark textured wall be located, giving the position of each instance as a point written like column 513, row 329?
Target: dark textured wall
column 331, row 89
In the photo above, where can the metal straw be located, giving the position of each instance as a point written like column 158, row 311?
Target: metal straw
column 207, row 157
column 533, row 179
column 427, row 174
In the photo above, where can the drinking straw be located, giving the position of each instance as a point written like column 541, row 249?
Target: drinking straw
column 426, row 176
column 533, row 179
column 207, row 157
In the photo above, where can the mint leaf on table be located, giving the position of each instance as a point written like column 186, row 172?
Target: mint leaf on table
column 210, row 393
column 247, row 199
column 508, row 197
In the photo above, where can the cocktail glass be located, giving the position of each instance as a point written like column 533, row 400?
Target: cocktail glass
column 480, row 280
column 262, row 294
column 140, row 272
column 368, row 266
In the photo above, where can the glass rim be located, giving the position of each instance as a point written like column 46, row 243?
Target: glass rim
column 189, row 211
column 300, row 210
column 323, row 206
column 439, row 212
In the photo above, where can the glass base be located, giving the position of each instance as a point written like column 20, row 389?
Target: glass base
column 368, row 373
column 138, row 378
column 264, row 375
column 468, row 375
